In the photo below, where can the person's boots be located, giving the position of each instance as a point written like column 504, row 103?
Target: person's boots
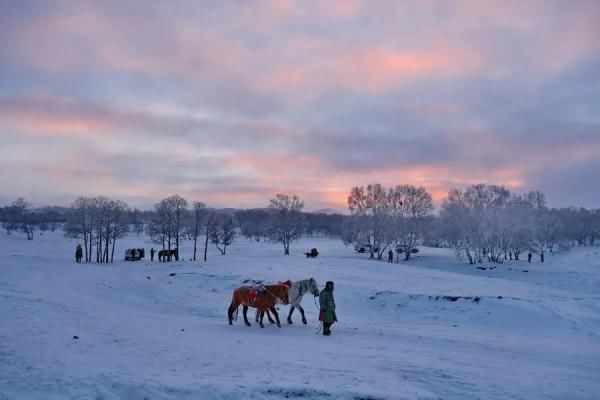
column 326, row 330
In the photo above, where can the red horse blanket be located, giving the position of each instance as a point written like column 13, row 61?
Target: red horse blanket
column 252, row 295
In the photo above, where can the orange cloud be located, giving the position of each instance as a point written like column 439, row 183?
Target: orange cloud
column 336, row 198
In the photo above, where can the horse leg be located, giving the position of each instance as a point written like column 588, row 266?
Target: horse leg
column 302, row 312
column 274, row 311
column 257, row 315
column 289, row 318
column 230, row 311
column 269, row 316
column 246, row 316
column 262, row 314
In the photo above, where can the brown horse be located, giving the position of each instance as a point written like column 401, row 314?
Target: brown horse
column 262, row 300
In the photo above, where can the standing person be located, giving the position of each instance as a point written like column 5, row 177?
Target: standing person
column 152, row 254
column 390, row 256
column 327, row 303
column 529, row 257
column 78, row 254
column 542, row 256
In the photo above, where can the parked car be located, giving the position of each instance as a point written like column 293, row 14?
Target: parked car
column 400, row 250
column 134, row 254
column 366, row 248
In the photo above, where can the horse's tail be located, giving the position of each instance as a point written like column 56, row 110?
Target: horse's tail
column 233, row 307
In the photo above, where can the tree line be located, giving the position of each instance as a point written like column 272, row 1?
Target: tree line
column 20, row 216
column 99, row 222
column 481, row 223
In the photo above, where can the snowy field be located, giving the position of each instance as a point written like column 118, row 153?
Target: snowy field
column 432, row 328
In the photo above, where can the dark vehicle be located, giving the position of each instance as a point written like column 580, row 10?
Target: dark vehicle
column 400, row 250
column 134, row 254
column 366, row 248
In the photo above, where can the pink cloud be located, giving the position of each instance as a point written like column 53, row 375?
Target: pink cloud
column 367, row 69
column 380, row 69
column 38, row 116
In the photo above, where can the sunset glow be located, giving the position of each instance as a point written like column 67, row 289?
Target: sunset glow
column 312, row 98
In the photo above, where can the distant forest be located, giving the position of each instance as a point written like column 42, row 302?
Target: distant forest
column 482, row 223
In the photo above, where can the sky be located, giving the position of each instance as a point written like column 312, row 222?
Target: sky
column 232, row 102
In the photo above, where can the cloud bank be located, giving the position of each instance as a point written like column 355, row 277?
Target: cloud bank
column 232, row 102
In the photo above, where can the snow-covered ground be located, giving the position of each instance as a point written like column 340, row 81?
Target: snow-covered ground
column 432, row 328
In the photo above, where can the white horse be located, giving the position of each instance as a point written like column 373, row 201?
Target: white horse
column 297, row 291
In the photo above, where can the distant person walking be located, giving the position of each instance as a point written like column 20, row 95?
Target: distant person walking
column 542, row 256
column 390, row 256
column 152, row 254
column 529, row 257
column 327, row 303
column 78, row 254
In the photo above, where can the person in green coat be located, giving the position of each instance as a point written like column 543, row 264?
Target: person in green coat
column 327, row 303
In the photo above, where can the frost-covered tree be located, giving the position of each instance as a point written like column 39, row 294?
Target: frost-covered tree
column 459, row 225
column 547, row 233
column 478, row 221
column 370, row 208
column 520, row 225
column 409, row 209
column 488, row 222
column 287, row 220
column 523, row 211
